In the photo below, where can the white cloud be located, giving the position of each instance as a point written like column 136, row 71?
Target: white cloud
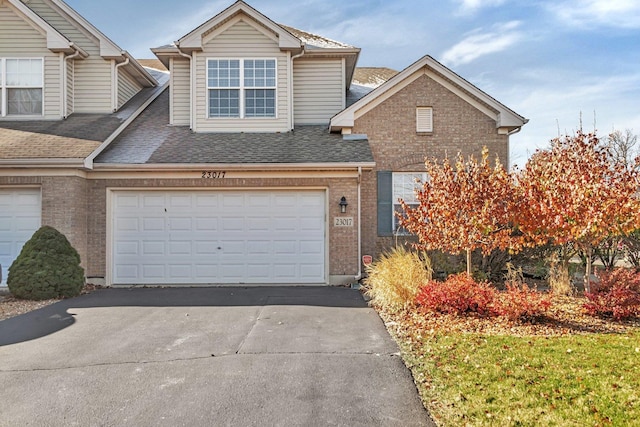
column 468, row 6
column 607, row 13
column 478, row 44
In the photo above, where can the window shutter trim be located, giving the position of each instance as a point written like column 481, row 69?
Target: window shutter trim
column 385, row 203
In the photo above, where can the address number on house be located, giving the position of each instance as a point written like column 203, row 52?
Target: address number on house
column 213, row 174
column 343, row 221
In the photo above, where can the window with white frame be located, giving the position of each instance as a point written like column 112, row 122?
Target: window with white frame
column 241, row 87
column 21, row 84
column 404, row 186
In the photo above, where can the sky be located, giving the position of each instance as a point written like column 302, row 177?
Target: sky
column 558, row 63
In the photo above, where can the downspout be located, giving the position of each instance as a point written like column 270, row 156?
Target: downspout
column 359, row 275
column 291, row 95
column 114, row 103
column 191, row 84
column 65, row 95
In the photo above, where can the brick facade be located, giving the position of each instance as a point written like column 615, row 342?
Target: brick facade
column 77, row 207
column 342, row 241
column 391, row 128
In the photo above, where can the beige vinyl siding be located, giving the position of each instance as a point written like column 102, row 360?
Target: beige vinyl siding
column 318, row 92
column 70, row 79
column 180, row 75
column 127, row 87
column 18, row 39
column 93, row 78
column 241, row 40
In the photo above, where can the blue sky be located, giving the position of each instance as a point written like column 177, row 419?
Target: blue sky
column 549, row 61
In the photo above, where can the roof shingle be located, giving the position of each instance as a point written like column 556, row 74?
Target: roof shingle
column 149, row 139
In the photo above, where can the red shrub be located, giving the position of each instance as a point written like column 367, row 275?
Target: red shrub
column 520, row 302
column 616, row 295
column 457, row 295
column 460, row 294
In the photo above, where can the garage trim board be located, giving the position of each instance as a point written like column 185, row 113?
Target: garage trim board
column 217, row 236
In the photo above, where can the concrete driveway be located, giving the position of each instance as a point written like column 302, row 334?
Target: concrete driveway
column 287, row 356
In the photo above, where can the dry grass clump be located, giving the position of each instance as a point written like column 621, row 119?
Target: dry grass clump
column 395, row 278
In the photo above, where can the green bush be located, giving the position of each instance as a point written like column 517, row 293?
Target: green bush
column 47, row 267
column 394, row 279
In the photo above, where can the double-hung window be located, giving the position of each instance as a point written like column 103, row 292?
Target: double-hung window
column 243, row 88
column 404, row 187
column 21, row 84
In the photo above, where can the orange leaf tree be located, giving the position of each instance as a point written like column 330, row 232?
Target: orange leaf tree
column 462, row 207
column 573, row 194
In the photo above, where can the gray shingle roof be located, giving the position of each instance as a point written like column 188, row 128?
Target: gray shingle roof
column 149, row 139
column 74, row 137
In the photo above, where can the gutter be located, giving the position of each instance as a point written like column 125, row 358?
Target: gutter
column 88, row 161
column 191, row 84
column 290, row 83
column 359, row 260
column 78, row 52
column 42, row 162
column 114, row 91
column 232, row 167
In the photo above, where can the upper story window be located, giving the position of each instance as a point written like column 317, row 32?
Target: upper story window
column 21, row 82
column 404, row 187
column 241, row 87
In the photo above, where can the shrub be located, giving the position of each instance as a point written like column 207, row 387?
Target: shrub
column 47, row 267
column 394, row 279
column 617, row 294
column 459, row 294
column 519, row 302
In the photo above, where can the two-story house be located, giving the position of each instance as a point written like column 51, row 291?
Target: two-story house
column 255, row 163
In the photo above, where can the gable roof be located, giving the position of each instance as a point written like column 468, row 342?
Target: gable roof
column 108, row 49
column 503, row 115
column 193, row 40
column 56, row 41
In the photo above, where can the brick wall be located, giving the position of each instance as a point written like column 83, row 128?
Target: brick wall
column 396, row 146
column 343, row 248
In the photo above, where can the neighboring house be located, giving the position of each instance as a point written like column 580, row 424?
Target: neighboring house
column 260, row 163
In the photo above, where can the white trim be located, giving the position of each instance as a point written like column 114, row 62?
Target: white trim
column 242, row 88
column 193, row 40
column 4, row 97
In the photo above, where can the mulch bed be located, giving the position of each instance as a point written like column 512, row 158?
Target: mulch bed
column 565, row 317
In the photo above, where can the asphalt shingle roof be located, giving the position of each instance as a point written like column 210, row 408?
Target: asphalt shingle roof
column 149, row 139
column 74, row 137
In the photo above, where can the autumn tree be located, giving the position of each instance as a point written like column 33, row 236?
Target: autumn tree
column 572, row 194
column 462, row 207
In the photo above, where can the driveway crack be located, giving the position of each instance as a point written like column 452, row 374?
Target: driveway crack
column 253, row 326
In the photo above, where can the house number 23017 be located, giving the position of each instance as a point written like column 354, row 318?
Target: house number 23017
column 213, row 174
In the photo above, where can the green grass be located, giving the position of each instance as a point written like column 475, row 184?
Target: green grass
column 579, row 380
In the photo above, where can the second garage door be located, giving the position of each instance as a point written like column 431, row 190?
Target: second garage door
column 201, row 237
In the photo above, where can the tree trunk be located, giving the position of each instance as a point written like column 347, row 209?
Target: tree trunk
column 469, row 262
column 587, row 271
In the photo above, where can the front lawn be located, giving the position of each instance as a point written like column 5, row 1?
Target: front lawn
column 568, row 370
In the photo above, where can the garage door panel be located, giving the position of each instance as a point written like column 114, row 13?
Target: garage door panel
column 220, row 237
column 20, row 213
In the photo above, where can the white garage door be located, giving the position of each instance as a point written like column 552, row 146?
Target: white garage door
column 183, row 237
column 19, row 219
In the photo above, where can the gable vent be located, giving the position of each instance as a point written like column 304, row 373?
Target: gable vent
column 424, row 119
